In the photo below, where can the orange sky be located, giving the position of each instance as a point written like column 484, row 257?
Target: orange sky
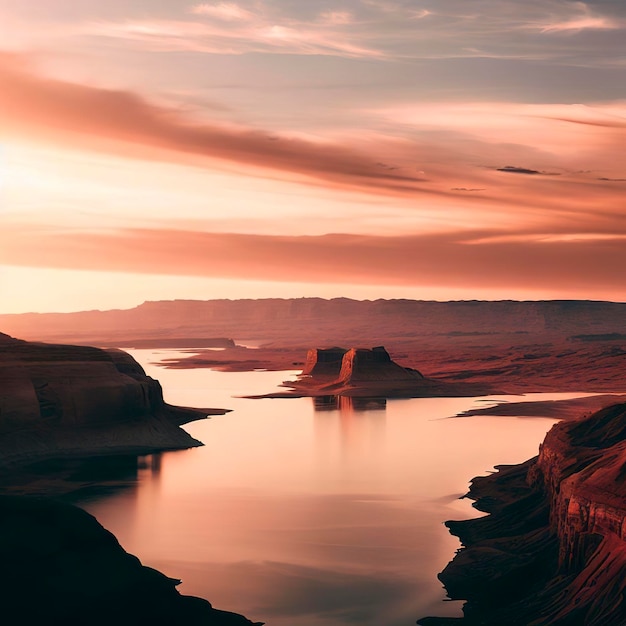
column 367, row 149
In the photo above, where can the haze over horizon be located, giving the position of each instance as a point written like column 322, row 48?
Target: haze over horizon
column 262, row 148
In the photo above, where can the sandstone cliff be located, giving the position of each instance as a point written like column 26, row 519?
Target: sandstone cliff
column 553, row 550
column 59, row 400
column 324, row 362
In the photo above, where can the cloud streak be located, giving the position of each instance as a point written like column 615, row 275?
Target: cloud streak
column 486, row 259
column 109, row 120
column 228, row 28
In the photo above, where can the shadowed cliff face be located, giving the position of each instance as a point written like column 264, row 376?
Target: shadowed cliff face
column 59, row 566
column 553, row 550
column 58, row 400
column 324, row 362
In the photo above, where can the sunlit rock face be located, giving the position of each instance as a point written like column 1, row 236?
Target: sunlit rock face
column 59, row 399
column 583, row 466
column 363, row 365
column 324, row 362
column 553, row 550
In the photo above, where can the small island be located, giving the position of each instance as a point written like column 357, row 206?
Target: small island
column 367, row 372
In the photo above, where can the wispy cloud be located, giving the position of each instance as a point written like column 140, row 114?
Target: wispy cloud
column 247, row 36
column 580, row 23
column 336, row 18
column 227, row 27
column 228, row 11
column 112, row 121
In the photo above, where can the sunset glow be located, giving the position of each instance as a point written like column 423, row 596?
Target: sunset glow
column 372, row 148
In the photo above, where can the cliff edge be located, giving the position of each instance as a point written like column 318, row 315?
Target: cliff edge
column 61, row 400
column 553, row 549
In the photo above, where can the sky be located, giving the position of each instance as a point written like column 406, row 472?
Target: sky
column 160, row 149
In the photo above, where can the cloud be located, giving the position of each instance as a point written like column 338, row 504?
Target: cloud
column 126, row 124
column 423, row 150
column 517, row 170
column 555, row 261
column 336, row 18
column 512, row 169
column 581, row 23
column 228, row 28
column 228, row 11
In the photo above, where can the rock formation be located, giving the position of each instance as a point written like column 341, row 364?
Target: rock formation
column 324, row 362
column 553, row 549
column 61, row 567
column 360, row 365
column 59, row 400
column 366, row 372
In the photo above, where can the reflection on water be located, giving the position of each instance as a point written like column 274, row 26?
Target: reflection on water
column 316, row 513
column 151, row 463
column 345, row 404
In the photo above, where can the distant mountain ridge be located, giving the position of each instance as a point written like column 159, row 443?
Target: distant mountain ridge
column 341, row 320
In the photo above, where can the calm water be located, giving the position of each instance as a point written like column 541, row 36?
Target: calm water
column 310, row 514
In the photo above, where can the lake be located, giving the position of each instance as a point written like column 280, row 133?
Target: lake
column 311, row 513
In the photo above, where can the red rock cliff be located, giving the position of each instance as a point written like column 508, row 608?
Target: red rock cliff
column 553, row 550
column 57, row 400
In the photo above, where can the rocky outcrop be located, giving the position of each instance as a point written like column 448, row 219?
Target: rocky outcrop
column 60, row 400
column 360, row 365
column 553, row 549
column 365, row 372
column 324, row 362
column 61, row 567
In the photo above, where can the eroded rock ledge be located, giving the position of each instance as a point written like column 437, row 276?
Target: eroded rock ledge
column 63, row 401
column 553, row 549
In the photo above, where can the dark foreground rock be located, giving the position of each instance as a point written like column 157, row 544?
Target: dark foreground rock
column 59, row 566
column 553, row 549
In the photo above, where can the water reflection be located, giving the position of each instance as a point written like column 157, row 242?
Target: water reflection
column 346, row 404
column 81, row 480
column 150, row 464
column 323, row 512
column 349, row 437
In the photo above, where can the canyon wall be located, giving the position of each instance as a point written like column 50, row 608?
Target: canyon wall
column 553, row 549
